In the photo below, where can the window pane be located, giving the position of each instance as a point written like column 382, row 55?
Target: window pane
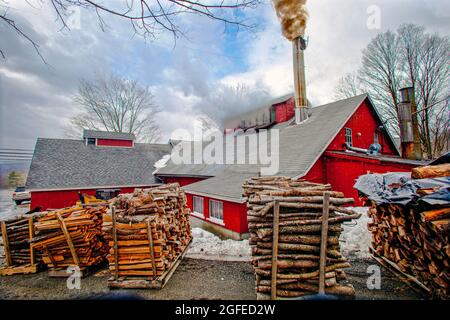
column 348, row 136
column 216, row 209
column 198, row 204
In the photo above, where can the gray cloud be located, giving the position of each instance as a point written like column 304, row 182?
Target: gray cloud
column 192, row 78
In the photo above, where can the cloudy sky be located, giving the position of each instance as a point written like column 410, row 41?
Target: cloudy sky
column 36, row 99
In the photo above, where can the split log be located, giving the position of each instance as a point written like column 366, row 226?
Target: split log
column 441, row 170
column 299, row 236
column 415, row 241
column 71, row 236
column 150, row 231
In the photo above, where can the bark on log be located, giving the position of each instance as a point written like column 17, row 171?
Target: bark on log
column 441, row 170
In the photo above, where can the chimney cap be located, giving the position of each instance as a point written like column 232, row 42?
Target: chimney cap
column 406, row 94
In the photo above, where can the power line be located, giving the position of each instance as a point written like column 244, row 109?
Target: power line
column 15, row 161
column 16, row 153
column 11, row 149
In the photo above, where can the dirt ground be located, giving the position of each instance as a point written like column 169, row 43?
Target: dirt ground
column 194, row 279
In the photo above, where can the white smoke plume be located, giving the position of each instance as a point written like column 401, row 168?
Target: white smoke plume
column 293, row 16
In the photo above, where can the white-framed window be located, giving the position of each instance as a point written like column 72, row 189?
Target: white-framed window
column 375, row 137
column 197, row 206
column 216, row 210
column 348, row 136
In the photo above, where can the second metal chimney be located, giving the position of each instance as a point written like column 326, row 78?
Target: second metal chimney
column 409, row 127
column 301, row 102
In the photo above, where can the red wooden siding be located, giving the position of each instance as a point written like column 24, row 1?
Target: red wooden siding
column 234, row 214
column 114, row 143
column 61, row 199
column 343, row 170
column 363, row 124
column 284, row 111
column 183, row 181
column 317, row 173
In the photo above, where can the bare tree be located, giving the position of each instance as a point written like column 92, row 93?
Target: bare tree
column 116, row 104
column 380, row 73
column 432, row 88
column 408, row 57
column 348, row 86
column 148, row 18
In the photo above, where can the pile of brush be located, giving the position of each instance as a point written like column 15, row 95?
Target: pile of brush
column 300, row 206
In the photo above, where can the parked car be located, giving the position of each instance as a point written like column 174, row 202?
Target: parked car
column 20, row 195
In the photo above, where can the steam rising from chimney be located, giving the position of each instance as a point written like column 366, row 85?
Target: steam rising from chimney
column 293, row 17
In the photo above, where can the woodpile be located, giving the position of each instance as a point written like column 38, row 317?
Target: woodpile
column 415, row 240
column 148, row 232
column 411, row 225
column 20, row 257
column 294, row 233
column 441, row 170
column 71, row 236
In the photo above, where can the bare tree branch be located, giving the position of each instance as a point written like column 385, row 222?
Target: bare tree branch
column 11, row 23
column 116, row 104
column 149, row 18
column 348, row 86
column 409, row 57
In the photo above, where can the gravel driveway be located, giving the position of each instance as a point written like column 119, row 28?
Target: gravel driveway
column 194, row 279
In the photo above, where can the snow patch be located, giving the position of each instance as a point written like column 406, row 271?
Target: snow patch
column 208, row 246
column 161, row 163
column 356, row 238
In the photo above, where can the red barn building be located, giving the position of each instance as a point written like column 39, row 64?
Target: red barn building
column 101, row 161
column 330, row 147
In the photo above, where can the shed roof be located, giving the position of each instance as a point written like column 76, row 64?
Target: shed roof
column 108, row 135
column 224, row 186
column 65, row 164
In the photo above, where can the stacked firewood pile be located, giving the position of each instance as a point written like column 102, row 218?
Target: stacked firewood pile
column 415, row 237
column 16, row 233
column 301, row 205
column 71, row 236
column 152, row 230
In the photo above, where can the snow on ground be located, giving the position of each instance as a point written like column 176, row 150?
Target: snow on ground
column 355, row 239
column 208, row 246
column 8, row 207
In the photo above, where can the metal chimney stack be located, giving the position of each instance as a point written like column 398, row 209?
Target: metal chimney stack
column 301, row 102
column 409, row 127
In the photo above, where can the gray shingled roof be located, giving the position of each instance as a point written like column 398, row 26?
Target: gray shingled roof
column 225, row 186
column 108, row 135
column 64, row 163
column 300, row 146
